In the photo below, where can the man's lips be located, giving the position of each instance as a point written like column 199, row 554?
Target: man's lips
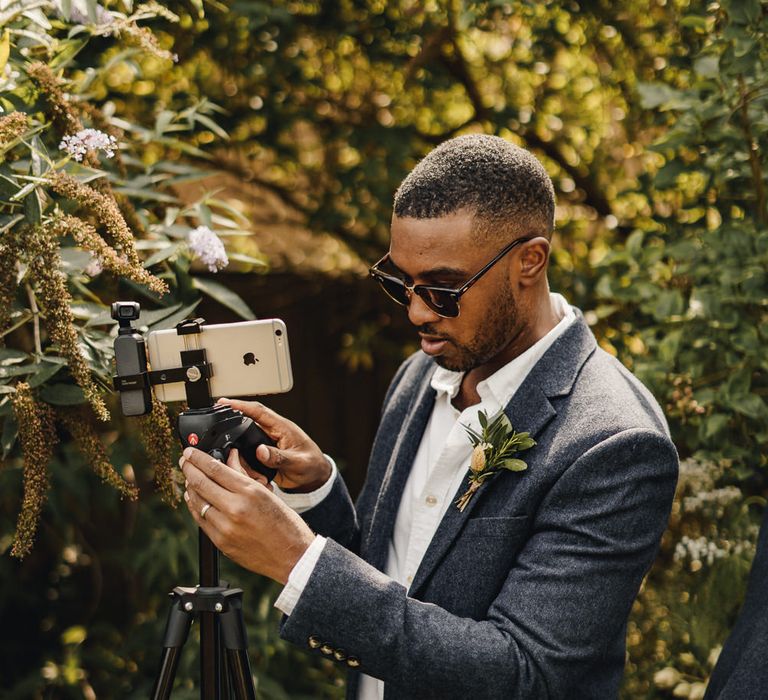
column 432, row 344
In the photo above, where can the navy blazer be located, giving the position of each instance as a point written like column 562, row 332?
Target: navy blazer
column 526, row 593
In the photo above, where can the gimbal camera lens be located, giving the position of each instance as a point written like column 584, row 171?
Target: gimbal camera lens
column 126, row 310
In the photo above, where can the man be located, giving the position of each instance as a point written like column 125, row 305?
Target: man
column 525, row 591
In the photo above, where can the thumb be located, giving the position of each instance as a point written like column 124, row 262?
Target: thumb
column 233, row 461
column 270, row 456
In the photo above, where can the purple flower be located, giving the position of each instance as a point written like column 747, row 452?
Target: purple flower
column 207, row 246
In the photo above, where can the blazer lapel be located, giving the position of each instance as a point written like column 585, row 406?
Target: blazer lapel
column 529, row 411
column 399, row 466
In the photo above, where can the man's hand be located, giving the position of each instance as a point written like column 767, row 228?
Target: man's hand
column 300, row 464
column 245, row 520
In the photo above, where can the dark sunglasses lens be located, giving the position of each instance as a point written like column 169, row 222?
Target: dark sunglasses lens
column 439, row 301
column 394, row 289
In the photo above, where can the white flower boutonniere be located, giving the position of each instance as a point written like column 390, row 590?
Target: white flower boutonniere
column 494, row 448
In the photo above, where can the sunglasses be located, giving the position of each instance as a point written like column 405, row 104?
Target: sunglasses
column 443, row 301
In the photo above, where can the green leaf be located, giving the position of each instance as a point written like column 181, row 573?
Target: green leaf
column 713, row 425
column 162, row 254
column 9, row 356
column 738, row 384
column 10, row 432
column 171, row 320
column 33, row 210
column 660, row 95
column 482, row 417
column 46, row 371
column 69, row 51
column 62, row 394
column 707, row 66
column 224, row 296
column 514, row 465
column 525, row 442
column 694, row 22
column 212, row 125
column 751, row 405
column 243, row 258
column 474, row 436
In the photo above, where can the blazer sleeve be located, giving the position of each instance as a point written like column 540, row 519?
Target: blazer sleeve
column 593, row 538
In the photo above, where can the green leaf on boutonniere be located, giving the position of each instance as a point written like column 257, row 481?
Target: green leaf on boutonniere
column 514, row 465
column 493, row 450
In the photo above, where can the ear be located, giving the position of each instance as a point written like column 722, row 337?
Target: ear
column 534, row 259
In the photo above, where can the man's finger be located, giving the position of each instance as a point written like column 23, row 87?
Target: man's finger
column 273, row 423
column 206, row 524
column 236, row 463
column 208, row 491
column 230, row 479
column 233, row 461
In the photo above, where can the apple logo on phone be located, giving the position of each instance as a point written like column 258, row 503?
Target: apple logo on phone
column 249, row 359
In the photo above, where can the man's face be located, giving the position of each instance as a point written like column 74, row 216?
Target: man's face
column 442, row 252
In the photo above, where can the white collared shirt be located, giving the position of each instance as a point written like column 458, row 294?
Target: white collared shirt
column 438, row 471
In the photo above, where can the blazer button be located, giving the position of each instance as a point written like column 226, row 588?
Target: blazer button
column 326, row 650
column 353, row 662
column 313, row 642
column 339, row 655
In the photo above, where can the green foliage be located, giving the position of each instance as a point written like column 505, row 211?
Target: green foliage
column 694, row 282
column 86, row 217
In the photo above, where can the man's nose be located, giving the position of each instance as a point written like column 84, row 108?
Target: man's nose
column 419, row 313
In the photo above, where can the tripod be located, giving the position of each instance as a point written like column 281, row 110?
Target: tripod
column 215, row 430
column 219, row 610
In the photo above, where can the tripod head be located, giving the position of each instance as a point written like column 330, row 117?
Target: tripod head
column 217, row 429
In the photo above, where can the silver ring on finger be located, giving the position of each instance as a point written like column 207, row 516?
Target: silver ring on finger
column 204, row 510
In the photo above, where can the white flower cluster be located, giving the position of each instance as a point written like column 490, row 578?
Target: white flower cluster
column 703, row 550
column 698, row 474
column 8, row 77
column 207, row 246
column 715, row 501
column 77, row 145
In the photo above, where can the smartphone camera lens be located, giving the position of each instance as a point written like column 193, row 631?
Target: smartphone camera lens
column 278, row 332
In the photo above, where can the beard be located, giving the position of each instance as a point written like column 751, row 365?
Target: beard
column 493, row 334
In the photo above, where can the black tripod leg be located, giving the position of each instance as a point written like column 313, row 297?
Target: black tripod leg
column 233, row 637
column 176, row 632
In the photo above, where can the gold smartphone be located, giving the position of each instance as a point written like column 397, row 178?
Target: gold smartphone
column 248, row 358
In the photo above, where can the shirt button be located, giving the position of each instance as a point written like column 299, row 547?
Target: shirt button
column 409, row 579
column 431, row 500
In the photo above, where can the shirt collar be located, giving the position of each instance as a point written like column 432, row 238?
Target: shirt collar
column 502, row 384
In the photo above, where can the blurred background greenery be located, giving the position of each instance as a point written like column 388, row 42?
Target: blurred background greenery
column 283, row 128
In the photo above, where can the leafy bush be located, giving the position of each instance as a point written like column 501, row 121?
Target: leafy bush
column 90, row 212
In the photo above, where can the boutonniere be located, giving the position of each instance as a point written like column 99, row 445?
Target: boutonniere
column 493, row 450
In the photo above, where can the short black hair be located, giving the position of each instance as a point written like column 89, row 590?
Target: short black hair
column 504, row 185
